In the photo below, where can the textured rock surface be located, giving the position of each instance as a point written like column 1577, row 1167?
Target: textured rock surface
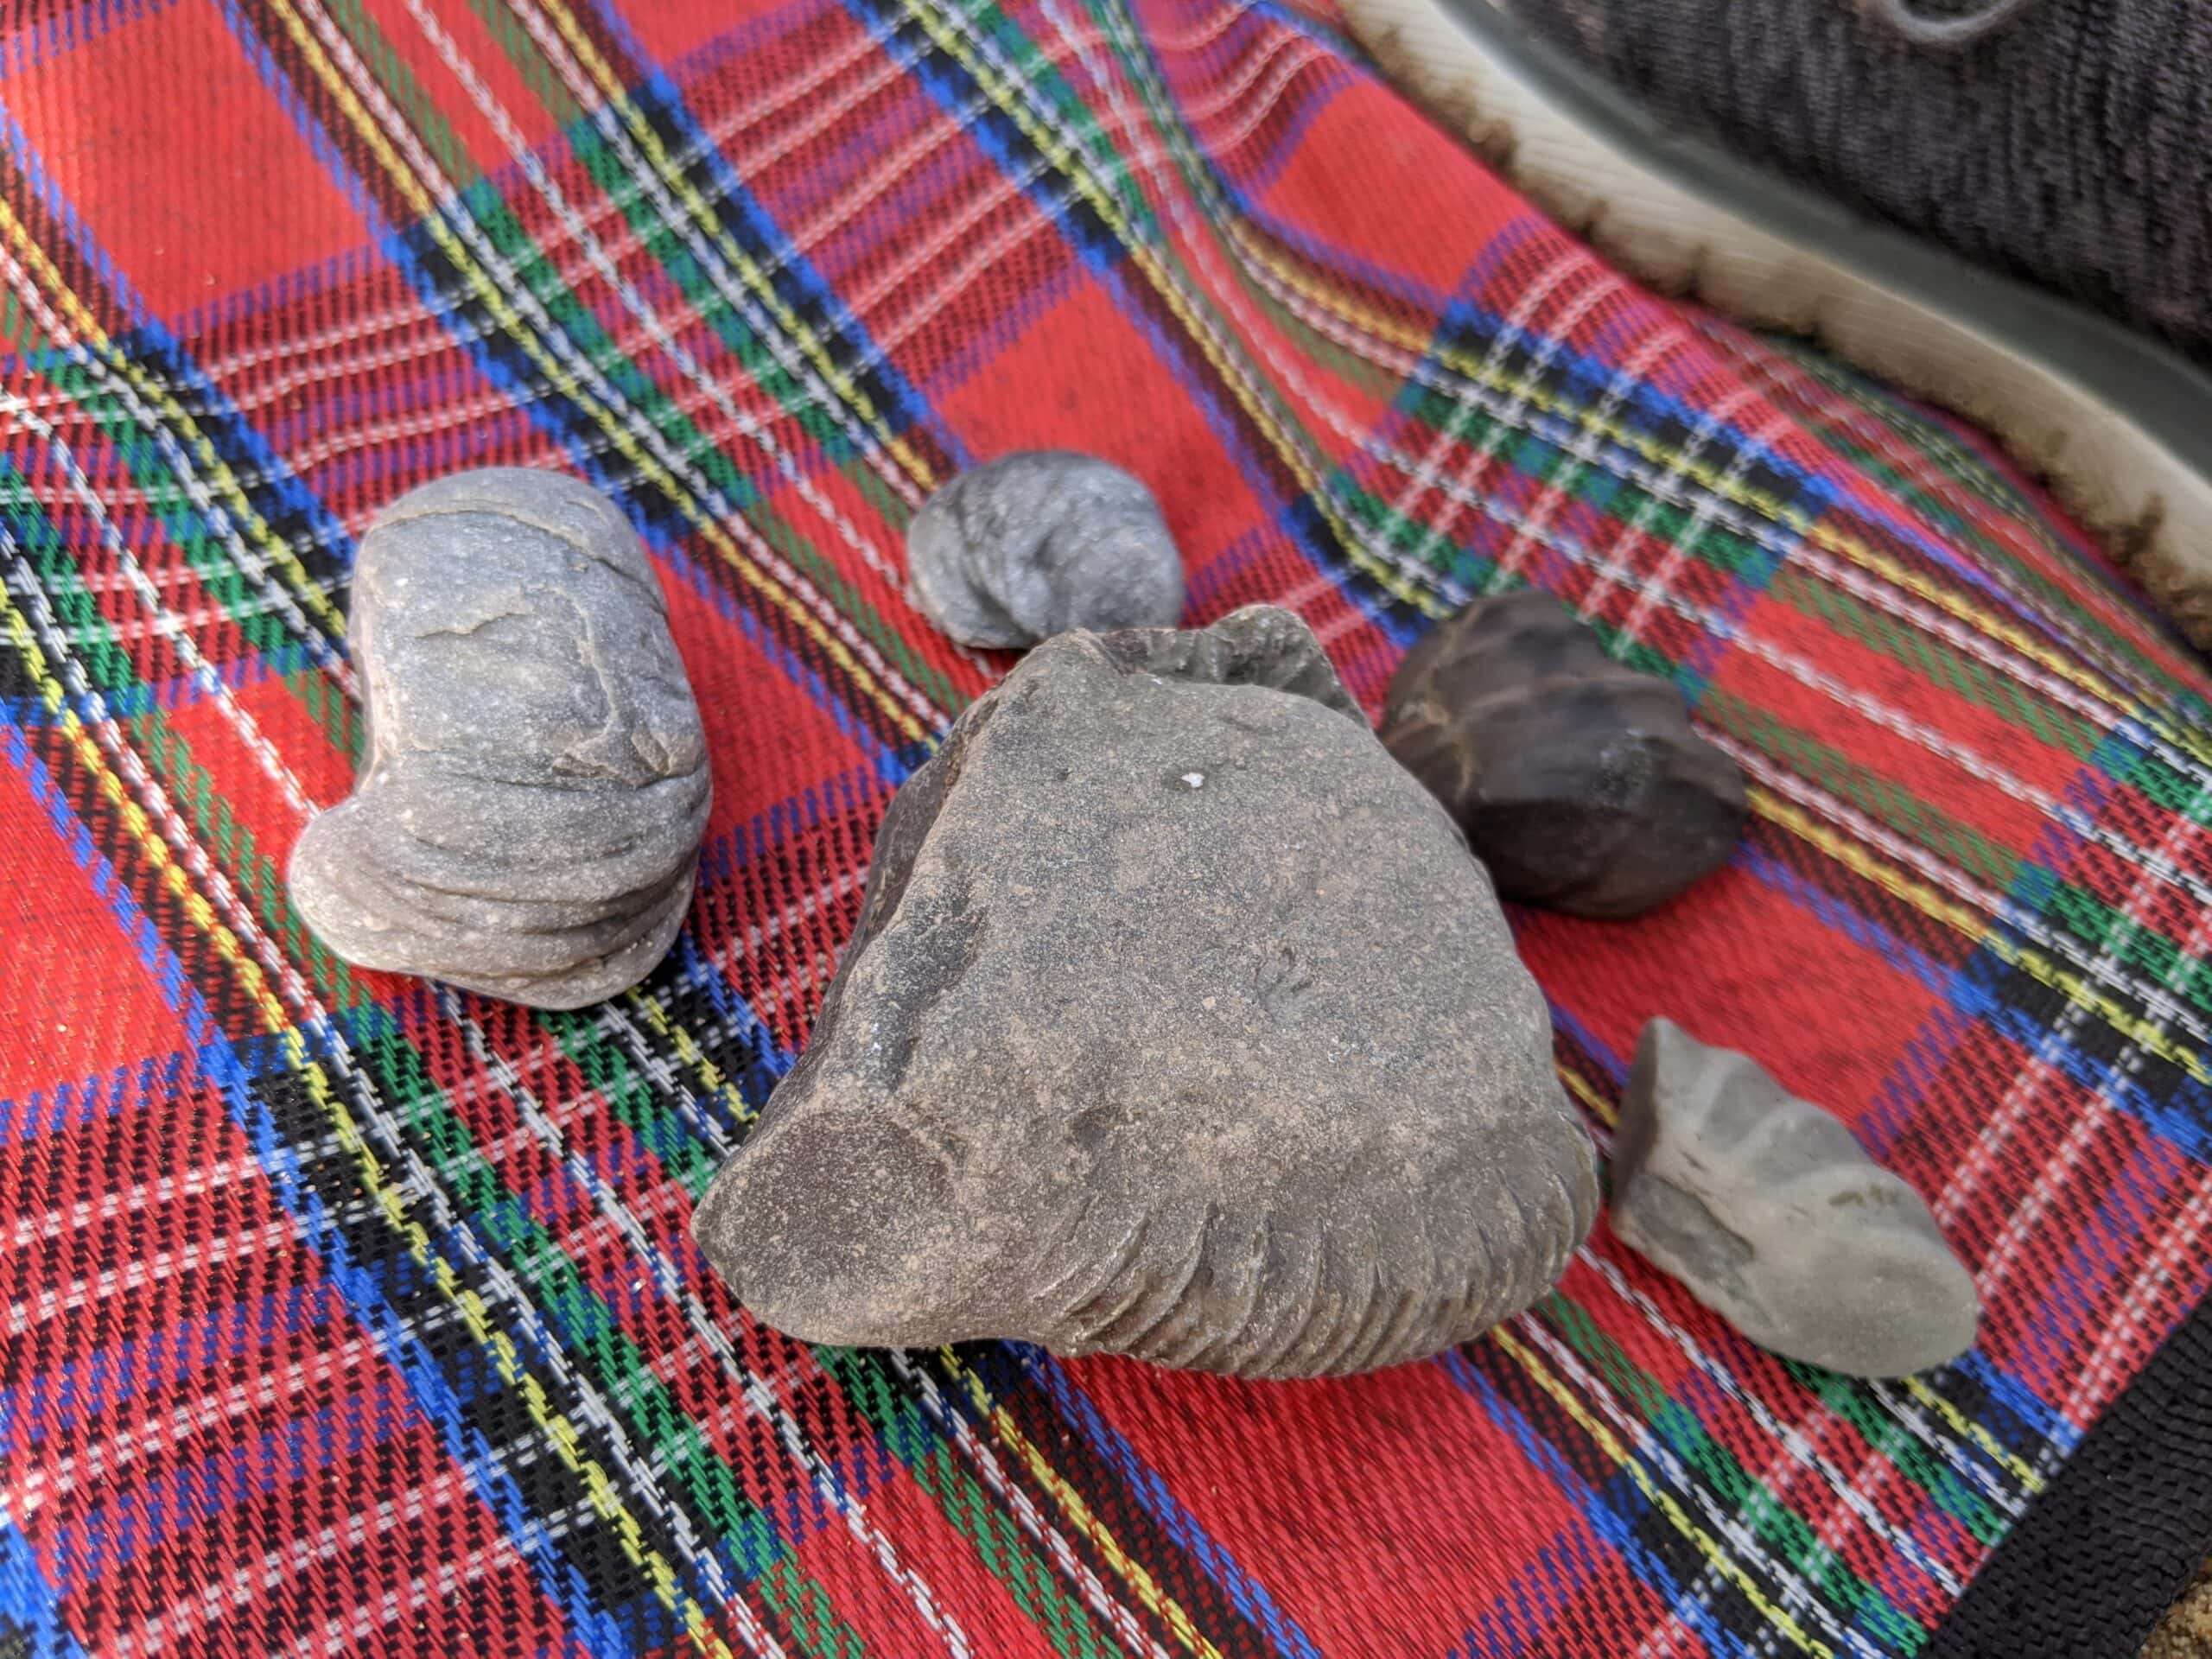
column 1034, row 543
column 529, row 809
column 1177, row 1023
column 2186, row 1631
column 1773, row 1215
column 1578, row 781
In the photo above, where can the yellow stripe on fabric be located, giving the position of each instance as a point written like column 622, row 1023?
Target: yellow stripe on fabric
column 556, row 1429
column 1717, row 1558
column 1983, row 931
column 1718, row 481
column 1602, row 1108
column 424, row 205
column 96, row 340
column 687, row 1050
column 2013, row 1465
column 754, row 278
column 1381, row 572
column 1072, row 1505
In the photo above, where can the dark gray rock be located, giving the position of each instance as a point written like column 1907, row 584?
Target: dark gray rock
column 1034, row 543
column 1578, row 781
column 1177, row 1023
column 1773, row 1215
column 534, row 783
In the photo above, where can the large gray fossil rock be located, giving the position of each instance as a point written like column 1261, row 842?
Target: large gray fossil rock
column 1771, row 1211
column 1579, row 783
column 534, row 787
column 1039, row 542
column 1177, row 1023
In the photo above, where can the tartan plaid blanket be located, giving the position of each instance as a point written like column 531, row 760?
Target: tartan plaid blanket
column 347, row 1313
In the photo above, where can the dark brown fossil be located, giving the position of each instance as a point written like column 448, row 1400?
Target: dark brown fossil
column 1579, row 782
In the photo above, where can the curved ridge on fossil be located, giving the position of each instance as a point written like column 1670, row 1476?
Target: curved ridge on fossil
column 534, row 784
column 1177, row 1023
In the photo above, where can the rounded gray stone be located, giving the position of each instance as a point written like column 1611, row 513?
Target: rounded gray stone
column 1037, row 543
column 1178, row 1023
column 1769, row 1210
column 533, row 789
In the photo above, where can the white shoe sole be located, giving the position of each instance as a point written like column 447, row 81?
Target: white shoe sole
column 2119, row 426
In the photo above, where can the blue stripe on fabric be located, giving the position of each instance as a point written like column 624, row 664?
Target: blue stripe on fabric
column 576, row 432
column 30, row 45
column 1844, row 918
column 1329, row 74
column 170, row 694
column 796, row 280
column 954, row 89
column 1588, row 1041
column 686, row 566
column 65, row 1399
column 145, row 939
column 58, row 1109
column 1520, row 1617
column 364, row 1295
column 29, row 1602
column 1612, row 1511
column 233, row 1068
column 1248, row 1595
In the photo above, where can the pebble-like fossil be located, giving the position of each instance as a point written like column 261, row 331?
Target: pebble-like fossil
column 1579, row 782
column 529, row 809
column 1037, row 543
column 1178, row 1023
column 1771, row 1211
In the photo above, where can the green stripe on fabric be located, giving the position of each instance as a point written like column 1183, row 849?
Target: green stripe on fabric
column 622, row 186
column 1769, row 1516
column 906, row 1428
column 108, row 669
column 715, row 308
column 1072, row 127
column 2132, row 943
column 2164, row 784
column 1888, row 802
column 417, row 108
column 986, row 1524
column 635, row 1099
column 1944, row 452
column 512, row 38
column 620, row 1371
column 1920, row 1462
column 625, row 185
column 185, row 526
column 1947, row 668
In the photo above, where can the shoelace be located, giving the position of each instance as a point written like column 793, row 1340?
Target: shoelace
column 1956, row 28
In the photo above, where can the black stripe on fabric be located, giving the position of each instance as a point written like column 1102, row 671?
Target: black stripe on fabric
column 1006, row 1372
column 2104, row 1552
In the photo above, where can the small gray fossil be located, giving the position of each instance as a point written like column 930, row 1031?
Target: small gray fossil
column 1579, row 782
column 1771, row 1211
column 1177, row 1023
column 1037, row 543
column 534, row 786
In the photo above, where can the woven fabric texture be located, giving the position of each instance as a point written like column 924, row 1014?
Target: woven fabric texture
column 345, row 1313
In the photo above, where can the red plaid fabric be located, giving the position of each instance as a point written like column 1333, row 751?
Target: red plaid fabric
column 347, row 1313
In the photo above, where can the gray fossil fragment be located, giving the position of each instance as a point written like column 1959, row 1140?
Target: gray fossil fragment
column 1579, row 782
column 527, row 817
column 1037, row 543
column 1177, row 1023
column 1769, row 1210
